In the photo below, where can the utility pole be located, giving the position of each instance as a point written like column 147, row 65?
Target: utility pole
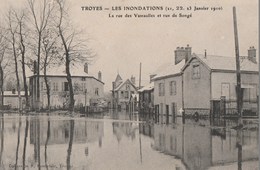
column 239, row 95
column 238, row 88
column 140, row 75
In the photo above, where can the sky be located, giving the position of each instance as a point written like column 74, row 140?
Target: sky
column 121, row 44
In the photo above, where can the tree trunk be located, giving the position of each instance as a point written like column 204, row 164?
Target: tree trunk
column 67, row 65
column 38, row 73
column 16, row 73
column 46, row 82
column 72, row 101
column 23, row 66
column 1, row 87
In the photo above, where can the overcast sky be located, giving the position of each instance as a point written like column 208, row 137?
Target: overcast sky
column 122, row 43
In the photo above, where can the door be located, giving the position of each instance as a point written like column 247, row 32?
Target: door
column 216, row 108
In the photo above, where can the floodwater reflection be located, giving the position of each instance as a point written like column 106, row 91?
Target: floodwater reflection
column 55, row 142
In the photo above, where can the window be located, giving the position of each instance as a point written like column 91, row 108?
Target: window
column 55, row 86
column 161, row 89
column 196, row 70
column 66, row 86
column 173, row 88
column 76, row 87
column 126, row 94
column 122, row 94
column 127, row 87
column 83, row 86
column 225, row 90
column 253, row 93
column 96, row 91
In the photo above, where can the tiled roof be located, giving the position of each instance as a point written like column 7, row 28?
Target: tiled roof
column 170, row 69
column 227, row 63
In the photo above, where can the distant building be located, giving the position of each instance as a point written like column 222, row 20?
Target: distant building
column 146, row 98
column 87, row 88
column 11, row 100
column 122, row 91
column 134, row 103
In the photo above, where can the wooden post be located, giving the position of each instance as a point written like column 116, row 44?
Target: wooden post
column 238, row 88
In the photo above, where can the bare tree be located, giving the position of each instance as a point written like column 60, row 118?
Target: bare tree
column 22, row 33
column 74, row 47
column 4, row 63
column 41, row 16
column 50, row 54
column 13, row 28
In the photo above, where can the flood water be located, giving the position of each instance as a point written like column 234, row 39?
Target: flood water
column 119, row 141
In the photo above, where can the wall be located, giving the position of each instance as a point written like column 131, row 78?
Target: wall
column 167, row 98
column 13, row 101
column 196, row 91
column 121, row 93
column 59, row 96
column 230, row 78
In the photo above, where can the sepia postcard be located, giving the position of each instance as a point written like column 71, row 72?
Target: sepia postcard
column 129, row 85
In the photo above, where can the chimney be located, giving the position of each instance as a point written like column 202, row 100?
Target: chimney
column 182, row 53
column 133, row 79
column 252, row 54
column 86, row 68
column 205, row 54
column 100, row 76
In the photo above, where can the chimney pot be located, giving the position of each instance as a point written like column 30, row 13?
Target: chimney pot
column 100, row 76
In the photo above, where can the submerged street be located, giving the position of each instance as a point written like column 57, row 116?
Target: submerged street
column 119, row 140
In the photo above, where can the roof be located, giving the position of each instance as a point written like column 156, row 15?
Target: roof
column 76, row 70
column 120, row 85
column 170, row 70
column 147, row 87
column 214, row 62
column 118, row 78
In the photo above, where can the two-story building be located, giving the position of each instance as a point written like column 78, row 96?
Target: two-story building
column 209, row 84
column 168, row 92
column 168, row 83
column 122, row 91
column 205, row 85
column 87, row 88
